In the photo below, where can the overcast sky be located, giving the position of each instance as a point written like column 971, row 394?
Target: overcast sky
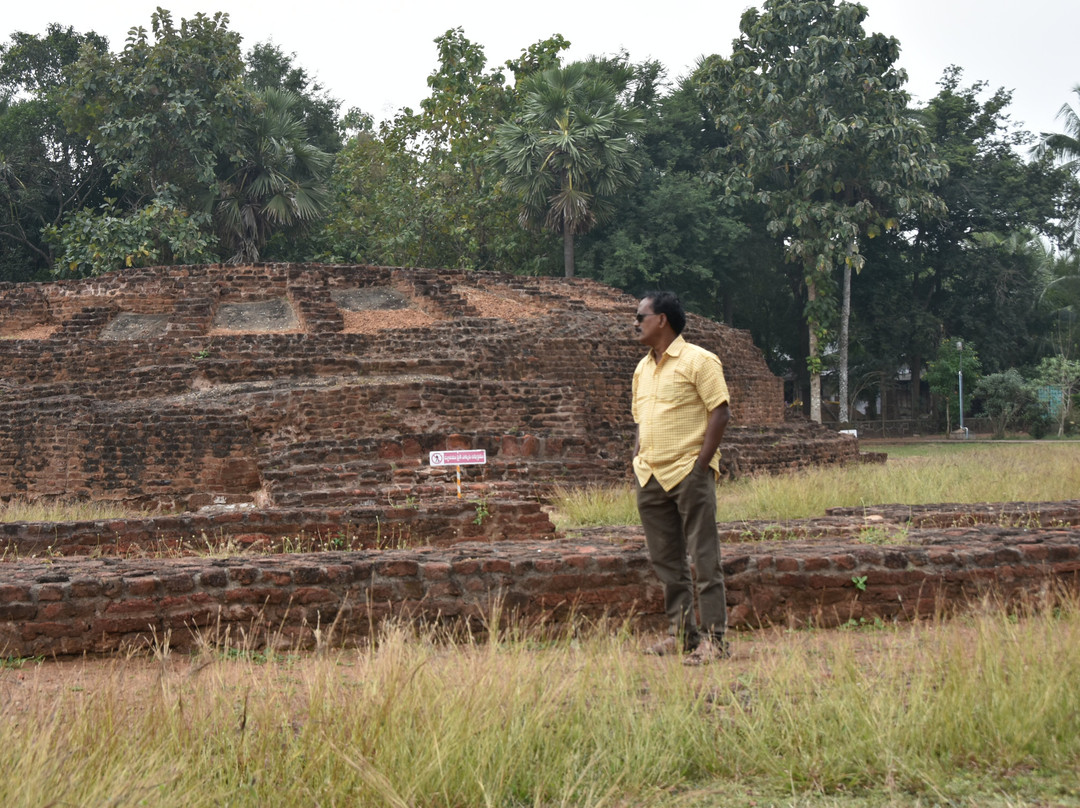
column 376, row 56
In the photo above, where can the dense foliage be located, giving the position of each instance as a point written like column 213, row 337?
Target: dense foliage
column 46, row 171
column 821, row 138
column 788, row 186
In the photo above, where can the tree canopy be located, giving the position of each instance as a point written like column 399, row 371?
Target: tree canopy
column 787, row 186
column 205, row 160
column 47, row 171
column 419, row 188
column 568, row 151
column 820, row 136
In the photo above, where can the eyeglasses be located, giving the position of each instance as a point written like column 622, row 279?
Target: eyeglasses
column 640, row 317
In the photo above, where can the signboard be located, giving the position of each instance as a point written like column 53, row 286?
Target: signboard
column 467, row 457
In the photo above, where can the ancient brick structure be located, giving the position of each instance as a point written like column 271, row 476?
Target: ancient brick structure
column 299, row 386
column 282, row 407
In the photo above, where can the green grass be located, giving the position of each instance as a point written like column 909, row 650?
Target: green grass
column 15, row 663
column 915, row 474
column 979, row 711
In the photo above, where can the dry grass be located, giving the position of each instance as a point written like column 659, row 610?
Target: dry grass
column 957, row 714
column 62, row 510
column 980, row 711
column 929, row 473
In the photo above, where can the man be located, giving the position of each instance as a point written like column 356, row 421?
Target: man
column 680, row 406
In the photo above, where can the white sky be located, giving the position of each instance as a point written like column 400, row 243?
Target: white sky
column 376, row 56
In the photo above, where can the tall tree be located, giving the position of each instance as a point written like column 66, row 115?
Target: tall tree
column 164, row 113
column 269, row 67
column 1065, row 147
column 977, row 270
column 673, row 230
column 277, row 177
column 1061, row 295
column 375, row 216
column 470, row 213
column 819, row 134
column 1066, row 144
column 568, row 152
column 187, row 136
column 46, row 170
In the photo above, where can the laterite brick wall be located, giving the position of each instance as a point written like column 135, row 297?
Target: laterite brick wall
column 93, row 605
column 141, row 391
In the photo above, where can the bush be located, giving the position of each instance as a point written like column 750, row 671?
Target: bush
column 1038, row 421
column 1005, row 396
column 91, row 242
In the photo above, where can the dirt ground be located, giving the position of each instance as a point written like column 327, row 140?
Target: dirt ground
column 24, row 682
column 36, row 332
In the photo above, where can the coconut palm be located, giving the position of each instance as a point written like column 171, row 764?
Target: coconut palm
column 1064, row 145
column 568, row 152
column 277, row 179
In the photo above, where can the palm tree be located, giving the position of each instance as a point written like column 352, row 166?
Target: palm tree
column 277, row 179
column 1065, row 146
column 568, row 152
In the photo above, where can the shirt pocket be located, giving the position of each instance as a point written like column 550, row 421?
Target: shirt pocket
column 675, row 387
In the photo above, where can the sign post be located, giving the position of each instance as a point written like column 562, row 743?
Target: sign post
column 459, row 458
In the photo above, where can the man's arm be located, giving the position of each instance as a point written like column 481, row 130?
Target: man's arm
column 714, row 432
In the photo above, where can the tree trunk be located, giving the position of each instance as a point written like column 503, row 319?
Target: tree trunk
column 568, row 250
column 728, row 309
column 845, row 315
column 882, row 394
column 801, row 391
column 815, row 371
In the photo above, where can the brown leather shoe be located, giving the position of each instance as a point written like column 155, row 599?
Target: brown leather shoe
column 710, row 650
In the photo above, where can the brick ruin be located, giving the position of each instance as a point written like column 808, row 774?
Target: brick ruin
column 282, row 407
column 298, row 386
column 893, row 563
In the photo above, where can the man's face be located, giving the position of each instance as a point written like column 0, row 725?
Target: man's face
column 649, row 325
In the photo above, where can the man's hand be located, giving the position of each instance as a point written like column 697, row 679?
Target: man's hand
column 714, row 432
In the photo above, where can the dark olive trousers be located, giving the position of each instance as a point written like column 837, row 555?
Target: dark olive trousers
column 679, row 522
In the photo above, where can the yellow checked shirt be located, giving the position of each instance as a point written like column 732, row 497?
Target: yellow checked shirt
column 671, row 405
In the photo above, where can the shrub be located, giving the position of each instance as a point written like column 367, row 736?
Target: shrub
column 1005, row 396
column 1038, row 421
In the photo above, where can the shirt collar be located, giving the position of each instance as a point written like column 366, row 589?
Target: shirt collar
column 674, row 349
